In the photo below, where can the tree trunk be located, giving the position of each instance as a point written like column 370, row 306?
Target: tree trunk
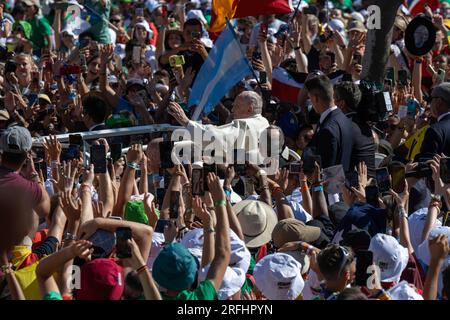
column 378, row 42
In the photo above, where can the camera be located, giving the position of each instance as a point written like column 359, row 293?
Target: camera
column 176, row 61
column 375, row 104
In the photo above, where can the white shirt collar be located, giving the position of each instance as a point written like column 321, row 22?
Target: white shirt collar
column 326, row 113
column 442, row 116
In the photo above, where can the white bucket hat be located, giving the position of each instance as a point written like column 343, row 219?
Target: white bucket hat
column 278, row 277
column 232, row 282
column 403, row 291
column 390, row 256
column 257, row 220
column 423, row 251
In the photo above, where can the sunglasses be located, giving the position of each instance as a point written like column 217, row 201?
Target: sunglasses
column 345, row 259
column 115, row 20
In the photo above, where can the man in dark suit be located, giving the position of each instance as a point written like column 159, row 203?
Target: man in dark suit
column 437, row 137
column 94, row 113
column 333, row 139
column 347, row 97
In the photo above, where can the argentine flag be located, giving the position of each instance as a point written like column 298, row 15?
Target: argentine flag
column 226, row 65
column 80, row 18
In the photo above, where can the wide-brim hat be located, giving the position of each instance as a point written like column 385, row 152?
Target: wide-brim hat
column 258, row 220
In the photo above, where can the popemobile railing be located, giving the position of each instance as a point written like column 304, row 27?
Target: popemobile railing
column 107, row 133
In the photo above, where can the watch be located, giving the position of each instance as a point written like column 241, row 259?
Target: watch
column 69, row 237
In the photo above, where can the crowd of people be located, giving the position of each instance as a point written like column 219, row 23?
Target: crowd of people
column 362, row 215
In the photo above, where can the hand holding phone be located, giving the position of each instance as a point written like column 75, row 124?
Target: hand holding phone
column 123, row 250
column 98, row 158
column 372, row 195
column 383, row 179
column 174, row 204
column 198, row 182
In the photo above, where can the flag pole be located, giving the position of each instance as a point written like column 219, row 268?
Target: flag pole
column 295, row 12
column 246, row 59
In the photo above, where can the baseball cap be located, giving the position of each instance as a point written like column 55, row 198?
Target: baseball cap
column 101, row 279
column 442, row 91
column 357, row 25
column 257, row 220
column 30, row 3
column 196, row 14
column 16, row 139
column 175, row 268
column 135, row 82
column 44, row 97
column 390, row 256
column 403, row 291
column 291, row 229
column 4, row 115
column 278, row 277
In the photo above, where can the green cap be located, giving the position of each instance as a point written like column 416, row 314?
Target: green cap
column 134, row 211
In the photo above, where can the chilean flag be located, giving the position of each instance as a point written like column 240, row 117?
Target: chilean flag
column 417, row 6
column 286, row 85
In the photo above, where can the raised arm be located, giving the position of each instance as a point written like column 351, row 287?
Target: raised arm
column 402, row 207
column 134, row 157
column 235, row 225
column 439, row 249
column 138, row 263
column 320, row 206
column 142, row 233
column 53, row 263
column 208, row 230
column 222, row 242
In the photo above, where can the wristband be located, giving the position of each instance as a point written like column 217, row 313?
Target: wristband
column 54, row 164
column 304, row 188
column 318, row 188
column 221, row 202
column 227, row 192
column 208, row 230
column 133, row 165
column 418, row 61
column 7, row 267
column 297, row 48
column 69, row 237
column 85, row 185
column 277, row 189
column 140, row 269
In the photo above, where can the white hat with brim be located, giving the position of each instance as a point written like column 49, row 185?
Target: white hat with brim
column 257, row 220
column 423, row 251
column 403, row 291
column 390, row 256
column 233, row 280
column 278, row 277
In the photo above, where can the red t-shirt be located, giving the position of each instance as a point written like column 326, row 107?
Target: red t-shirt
column 10, row 178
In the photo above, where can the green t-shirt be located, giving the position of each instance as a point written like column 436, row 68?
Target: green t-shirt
column 99, row 27
column 204, row 291
column 40, row 27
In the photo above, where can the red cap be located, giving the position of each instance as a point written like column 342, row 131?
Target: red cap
column 101, row 279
